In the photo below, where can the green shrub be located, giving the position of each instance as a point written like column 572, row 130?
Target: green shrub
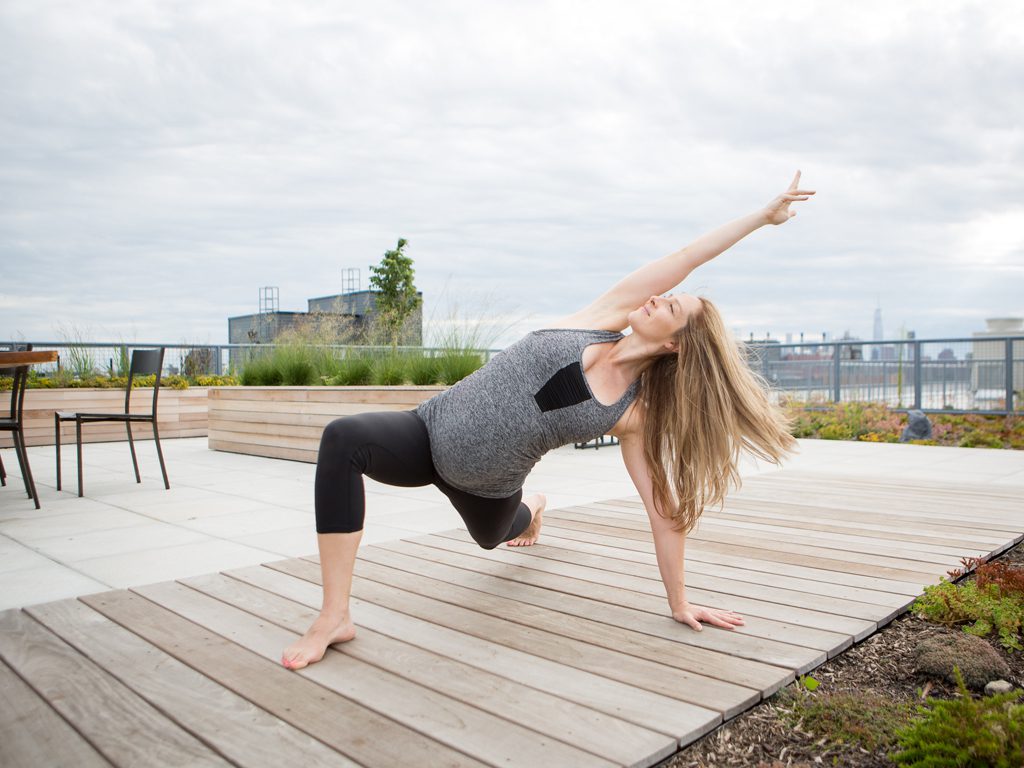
column 422, row 370
column 389, row 370
column 861, row 719
column 352, row 371
column 260, row 371
column 965, row 732
column 982, row 609
column 297, row 372
column 455, row 366
column 216, row 381
column 978, row 439
column 835, row 432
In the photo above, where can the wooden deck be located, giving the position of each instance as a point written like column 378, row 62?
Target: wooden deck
column 558, row 655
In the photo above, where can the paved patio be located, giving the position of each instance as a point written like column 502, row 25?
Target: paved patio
column 229, row 511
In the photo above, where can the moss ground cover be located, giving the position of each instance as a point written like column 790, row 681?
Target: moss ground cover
column 875, row 423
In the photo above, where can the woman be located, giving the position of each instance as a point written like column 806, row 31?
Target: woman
column 675, row 391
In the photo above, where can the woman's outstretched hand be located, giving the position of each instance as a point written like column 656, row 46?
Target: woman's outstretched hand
column 777, row 211
column 693, row 615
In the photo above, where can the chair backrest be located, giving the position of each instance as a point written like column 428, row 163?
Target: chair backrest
column 145, row 362
column 20, row 375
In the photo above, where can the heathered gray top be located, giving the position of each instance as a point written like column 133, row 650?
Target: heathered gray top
column 488, row 430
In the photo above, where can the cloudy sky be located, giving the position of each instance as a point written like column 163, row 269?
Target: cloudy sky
column 163, row 160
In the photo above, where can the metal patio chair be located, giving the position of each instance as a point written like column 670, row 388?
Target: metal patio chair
column 14, row 423
column 145, row 362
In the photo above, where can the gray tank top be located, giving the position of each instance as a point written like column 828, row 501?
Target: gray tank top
column 490, row 429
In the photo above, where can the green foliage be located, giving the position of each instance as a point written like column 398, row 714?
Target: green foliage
column 393, row 279
column 861, row 719
column 261, row 371
column 808, row 682
column 965, row 733
column 389, row 370
column 875, row 423
column 422, row 370
column 352, row 371
column 835, row 432
column 977, row 439
column 982, row 608
column 216, row 381
column 455, row 365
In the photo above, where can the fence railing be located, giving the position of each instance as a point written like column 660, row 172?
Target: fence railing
column 980, row 374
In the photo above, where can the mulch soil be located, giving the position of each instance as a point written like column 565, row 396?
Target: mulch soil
column 770, row 736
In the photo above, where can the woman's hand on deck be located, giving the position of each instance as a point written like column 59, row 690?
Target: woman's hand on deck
column 693, row 615
column 777, row 211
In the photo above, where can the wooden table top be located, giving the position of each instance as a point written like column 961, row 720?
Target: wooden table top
column 15, row 359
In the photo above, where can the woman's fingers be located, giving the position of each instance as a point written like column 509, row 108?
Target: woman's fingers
column 796, row 180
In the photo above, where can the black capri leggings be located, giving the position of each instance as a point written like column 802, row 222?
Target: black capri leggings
column 393, row 447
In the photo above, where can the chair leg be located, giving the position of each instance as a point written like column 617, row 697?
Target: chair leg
column 31, row 483
column 78, row 445
column 3, row 473
column 56, row 442
column 19, row 451
column 160, row 455
column 131, row 445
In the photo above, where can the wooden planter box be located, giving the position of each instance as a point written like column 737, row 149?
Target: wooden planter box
column 180, row 413
column 286, row 422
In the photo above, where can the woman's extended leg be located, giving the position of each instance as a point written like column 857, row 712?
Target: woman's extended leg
column 391, row 447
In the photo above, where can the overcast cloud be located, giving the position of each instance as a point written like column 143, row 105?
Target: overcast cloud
column 162, row 161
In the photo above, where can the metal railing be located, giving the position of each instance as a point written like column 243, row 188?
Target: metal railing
column 960, row 375
column 981, row 374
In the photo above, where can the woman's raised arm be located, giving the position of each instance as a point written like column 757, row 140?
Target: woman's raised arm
column 662, row 275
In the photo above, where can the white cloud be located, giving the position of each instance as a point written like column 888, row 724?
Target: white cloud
column 163, row 161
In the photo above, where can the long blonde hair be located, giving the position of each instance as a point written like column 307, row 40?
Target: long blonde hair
column 702, row 406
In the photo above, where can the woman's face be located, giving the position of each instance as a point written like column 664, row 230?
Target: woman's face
column 662, row 317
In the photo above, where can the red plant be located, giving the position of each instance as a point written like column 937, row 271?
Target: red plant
column 968, row 564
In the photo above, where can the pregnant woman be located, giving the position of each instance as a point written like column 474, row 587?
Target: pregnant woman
column 676, row 391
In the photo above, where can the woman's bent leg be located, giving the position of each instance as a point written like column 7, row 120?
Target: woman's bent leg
column 493, row 521
column 391, row 447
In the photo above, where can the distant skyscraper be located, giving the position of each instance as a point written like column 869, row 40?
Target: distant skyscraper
column 877, row 335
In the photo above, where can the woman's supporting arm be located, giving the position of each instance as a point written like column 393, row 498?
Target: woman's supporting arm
column 669, row 545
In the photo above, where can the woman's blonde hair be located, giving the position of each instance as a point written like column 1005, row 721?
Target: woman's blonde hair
column 702, row 406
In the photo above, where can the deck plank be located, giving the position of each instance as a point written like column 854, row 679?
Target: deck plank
column 488, row 739
column 378, row 586
column 33, row 734
column 620, row 701
column 508, row 573
column 639, row 578
column 362, row 735
column 240, row 731
column 543, row 713
column 121, row 725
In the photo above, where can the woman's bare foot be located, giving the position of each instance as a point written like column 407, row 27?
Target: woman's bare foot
column 311, row 648
column 537, row 502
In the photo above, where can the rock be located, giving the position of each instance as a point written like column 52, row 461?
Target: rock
column 998, row 686
column 918, row 427
column 978, row 661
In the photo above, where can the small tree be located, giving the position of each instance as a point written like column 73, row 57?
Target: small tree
column 396, row 292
